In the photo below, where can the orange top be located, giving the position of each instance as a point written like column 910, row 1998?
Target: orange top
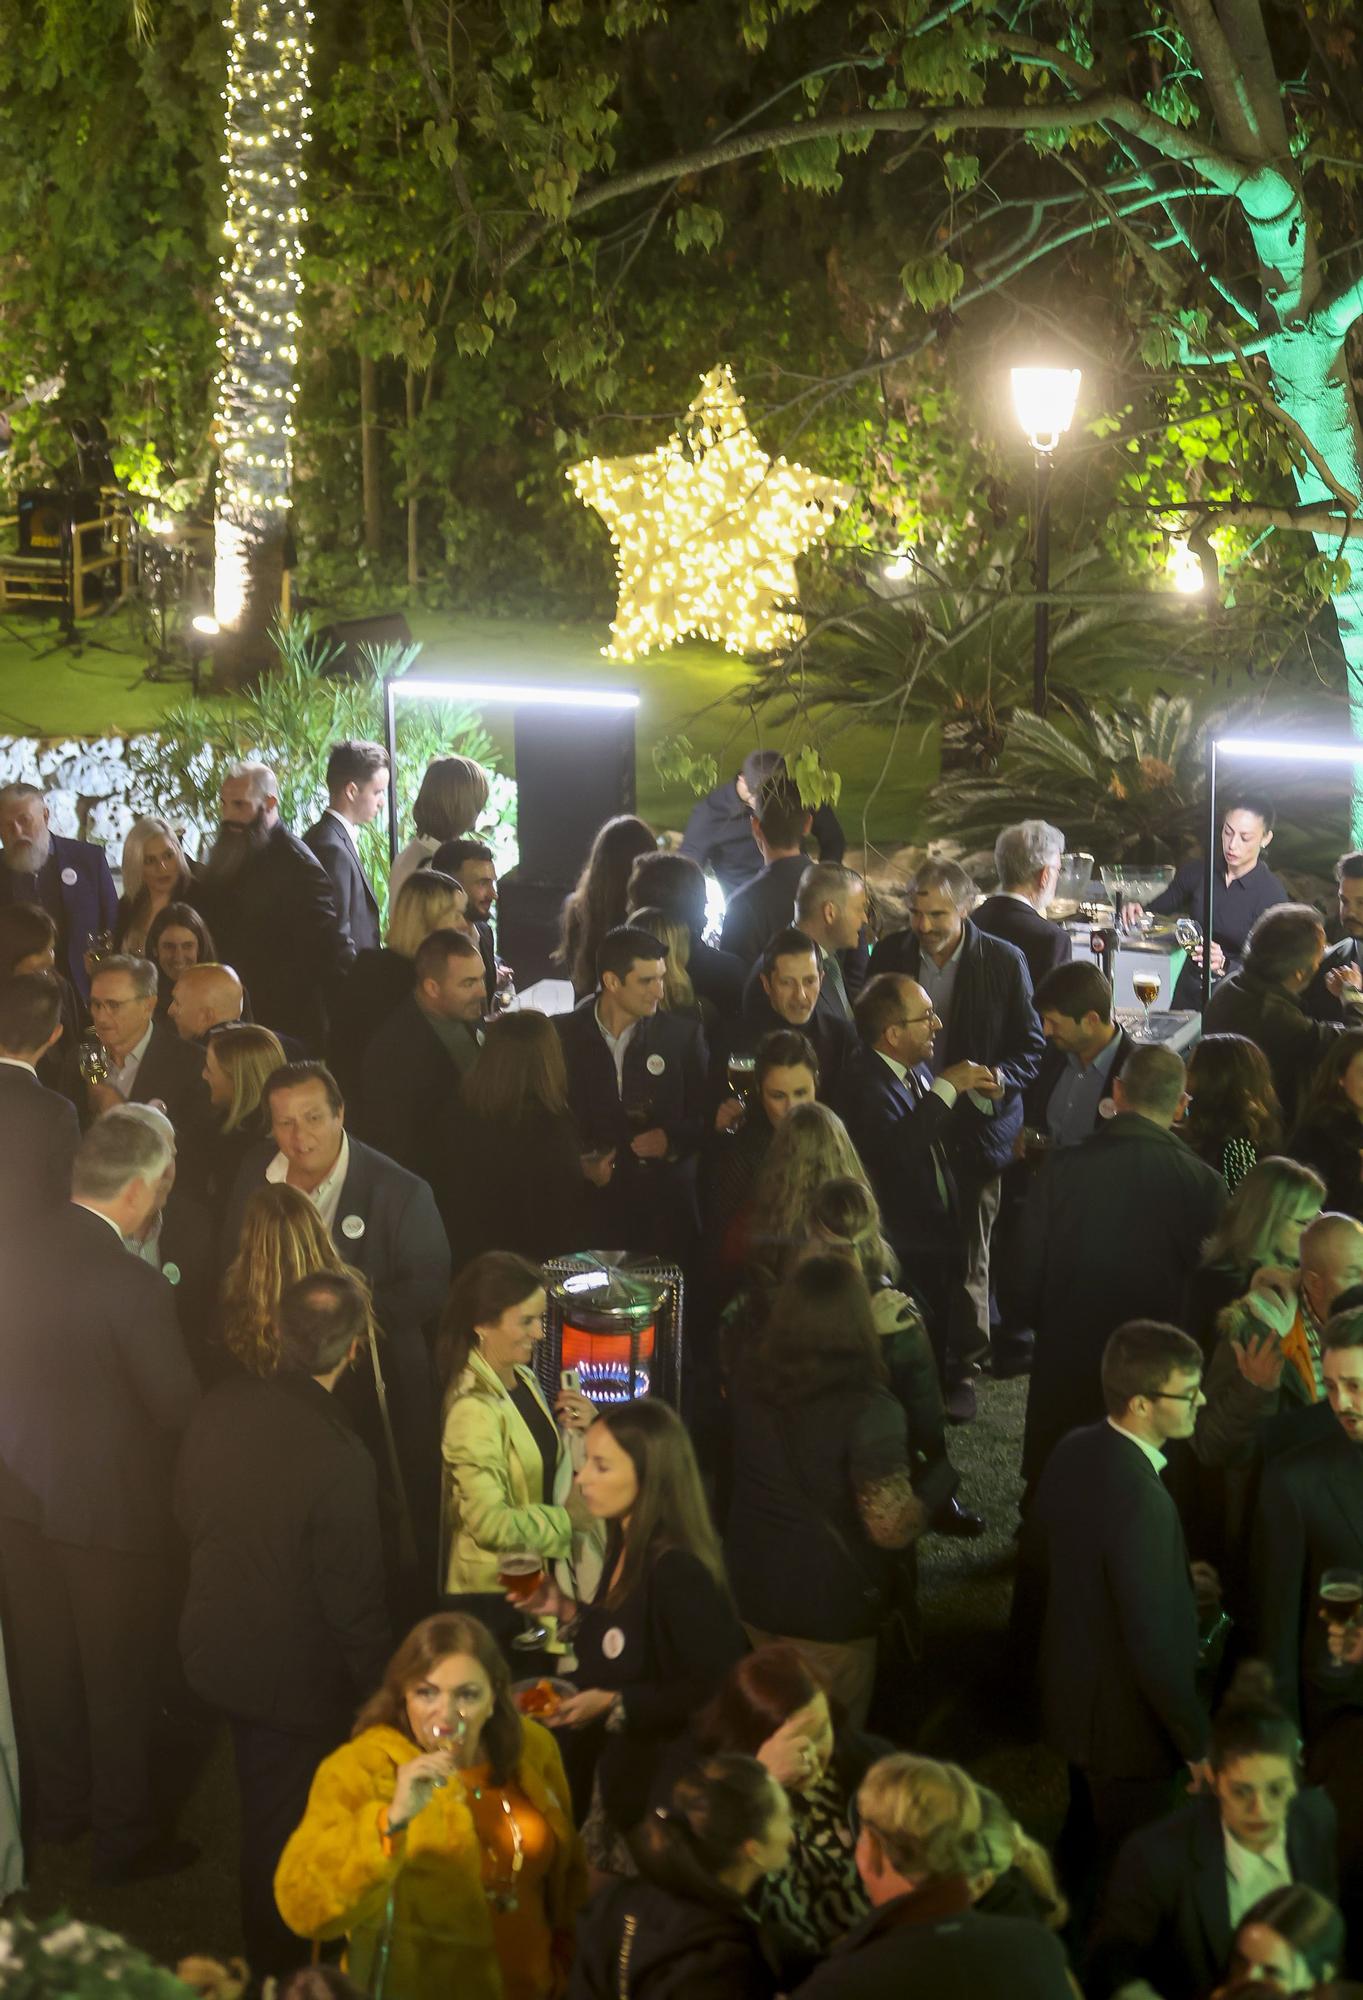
column 522, row 1939
column 1297, row 1354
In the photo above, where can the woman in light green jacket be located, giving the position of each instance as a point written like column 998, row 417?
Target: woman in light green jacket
column 509, row 1482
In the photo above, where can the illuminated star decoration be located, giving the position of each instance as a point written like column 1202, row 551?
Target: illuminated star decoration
column 706, row 530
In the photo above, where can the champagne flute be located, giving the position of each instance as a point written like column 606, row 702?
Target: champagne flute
column 1146, row 987
column 520, row 1574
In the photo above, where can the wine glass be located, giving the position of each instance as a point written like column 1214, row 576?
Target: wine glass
column 520, row 1574
column 92, row 1059
column 1146, row 987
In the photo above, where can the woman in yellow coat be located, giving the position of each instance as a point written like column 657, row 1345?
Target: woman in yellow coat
column 439, row 1841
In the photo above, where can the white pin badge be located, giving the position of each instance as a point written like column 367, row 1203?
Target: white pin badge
column 1107, row 1109
column 352, row 1226
column 171, row 1273
column 613, row 1644
column 655, row 1065
column 69, row 877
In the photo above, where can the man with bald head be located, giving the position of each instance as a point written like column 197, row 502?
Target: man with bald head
column 206, row 996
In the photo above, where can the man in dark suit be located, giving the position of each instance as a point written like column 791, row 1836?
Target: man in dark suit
column 1175, row 1896
column 788, row 988
column 766, row 904
column 284, row 1627
column 719, row 833
column 1311, row 1520
column 832, row 909
column 899, row 1118
column 1119, row 1643
column 1347, row 950
column 413, row 1067
column 1264, row 999
column 357, row 788
column 981, row 992
column 40, row 1125
column 95, row 1388
column 472, row 865
column 1112, row 1229
column 1085, row 1053
column 1027, row 858
column 271, row 908
column 675, row 884
column 637, row 1089
column 146, row 1062
column 384, row 1223
column 69, row 879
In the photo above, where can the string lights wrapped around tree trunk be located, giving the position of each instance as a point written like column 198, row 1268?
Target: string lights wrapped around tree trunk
column 265, row 141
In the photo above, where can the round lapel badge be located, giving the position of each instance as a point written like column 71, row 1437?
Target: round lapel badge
column 655, row 1065
column 171, row 1273
column 613, row 1644
column 352, row 1226
column 1107, row 1109
column 69, row 877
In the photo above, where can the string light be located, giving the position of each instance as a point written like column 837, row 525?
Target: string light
column 706, row 530
column 266, row 136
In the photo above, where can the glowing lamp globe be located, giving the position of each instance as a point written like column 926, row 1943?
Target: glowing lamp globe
column 1044, row 399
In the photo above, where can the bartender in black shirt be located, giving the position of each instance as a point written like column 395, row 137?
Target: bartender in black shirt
column 1245, row 888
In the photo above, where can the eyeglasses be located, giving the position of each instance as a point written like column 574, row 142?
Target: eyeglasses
column 917, row 1020
column 1188, row 1396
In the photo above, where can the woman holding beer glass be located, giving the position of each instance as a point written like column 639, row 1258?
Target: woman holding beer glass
column 439, row 1841
column 510, row 1506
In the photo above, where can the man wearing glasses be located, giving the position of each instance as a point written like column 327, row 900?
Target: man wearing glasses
column 1119, row 1646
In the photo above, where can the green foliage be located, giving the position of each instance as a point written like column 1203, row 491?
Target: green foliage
column 290, row 720
column 931, row 282
column 59, row 1958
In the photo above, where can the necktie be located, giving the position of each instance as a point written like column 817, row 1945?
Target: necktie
column 939, row 1165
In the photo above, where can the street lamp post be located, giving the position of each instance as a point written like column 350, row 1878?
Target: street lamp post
column 1044, row 399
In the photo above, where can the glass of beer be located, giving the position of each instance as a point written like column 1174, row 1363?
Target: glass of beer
column 1341, row 1611
column 520, row 1573
column 739, row 1077
column 1146, row 987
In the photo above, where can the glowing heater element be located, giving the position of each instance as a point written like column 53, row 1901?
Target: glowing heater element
column 706, row 530
column 1044, row 399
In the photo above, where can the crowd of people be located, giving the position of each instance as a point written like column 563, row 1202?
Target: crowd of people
column 534, row 1693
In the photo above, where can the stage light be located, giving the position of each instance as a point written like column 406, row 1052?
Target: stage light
column 424, row 689
column 1287, row 748
column 706, row 530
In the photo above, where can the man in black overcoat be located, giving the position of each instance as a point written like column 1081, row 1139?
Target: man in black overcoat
column 40, row 1127
column 357, row 790
column 1027, row 858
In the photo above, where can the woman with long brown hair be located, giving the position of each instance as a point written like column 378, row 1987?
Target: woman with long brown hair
column 282, row 1238
column 1329, row 1130
column 519, row 1179
column 177, row 937
column 598, row 903
column 660, row 1632
column 810, row 1148
column 239, row 1058
column 439, row 1841
column 1234, row 1117
column 451, row 799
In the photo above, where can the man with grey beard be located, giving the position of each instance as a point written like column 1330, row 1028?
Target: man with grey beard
column 271, row 908
column 69, row 879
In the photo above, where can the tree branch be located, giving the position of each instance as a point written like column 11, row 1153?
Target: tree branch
column 1273, row 408
column 1298, row 520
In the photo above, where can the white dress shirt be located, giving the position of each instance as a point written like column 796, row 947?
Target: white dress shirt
column 617, row 1044
column 326, row 1196
column 349, row 826
column 1152, row 1451
column 1250, row 1876
column 122, row 1076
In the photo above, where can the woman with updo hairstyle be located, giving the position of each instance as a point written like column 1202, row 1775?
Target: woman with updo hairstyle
column 599, row 901
column 282, row 1238
column 28, row 943
column 239, row 1059
column 379, row 981
column 439, row 1842
column 683, row 1926
column 451, row 799
column 1010, row 1874
column 155, row 873
column 1329, row 1130
column 519, row 1183
column 1234, row 1117
column 1180, row 1886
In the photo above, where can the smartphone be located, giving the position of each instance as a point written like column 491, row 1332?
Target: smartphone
column 570, row 1381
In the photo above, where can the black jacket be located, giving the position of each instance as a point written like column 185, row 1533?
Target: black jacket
column 719, row 836
column 832, row 1035
column 761, row 907
column 409, row 1099
column 76, row 889
column 41, row 1135
column 1166, row 1915
column 1038, row 1093
column 275, row 922
column 717, row 976
column 992, row 1021
column 639, row 1941
column 518, row 1187
column 376, row 984
column 933, row 1943
column 95, row 1388
column 1310, row 1519
column 902, row 1132
column 1318, row 1001
column 649, row 1205
column 356, row 905
column 1332, row 1143
column 172, row 1071
column 1119, row 1644
column 1043, row 944
column 1293, row 1043
column 1112, row 1230
column 284, row 1620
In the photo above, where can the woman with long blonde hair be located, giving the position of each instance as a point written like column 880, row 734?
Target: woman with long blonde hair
column 155, row 873
column 679, row 995
column 380, row 981
column 239, row 1059
column 282, row 1238
column 809, row 1147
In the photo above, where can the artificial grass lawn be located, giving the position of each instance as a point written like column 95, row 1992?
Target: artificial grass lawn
column 98, row 693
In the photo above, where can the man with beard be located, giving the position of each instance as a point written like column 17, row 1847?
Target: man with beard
column 1319, row 1000
column 69, row 879
column 272, row 910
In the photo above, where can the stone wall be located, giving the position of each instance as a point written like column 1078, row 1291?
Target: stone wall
column 90, row 790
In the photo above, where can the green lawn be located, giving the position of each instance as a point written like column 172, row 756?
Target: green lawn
column 98, row 693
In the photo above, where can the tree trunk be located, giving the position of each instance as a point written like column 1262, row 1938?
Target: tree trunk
column 413, row 504
column 369, row 455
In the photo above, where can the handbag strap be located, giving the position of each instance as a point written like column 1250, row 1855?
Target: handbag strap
column 406, row 1533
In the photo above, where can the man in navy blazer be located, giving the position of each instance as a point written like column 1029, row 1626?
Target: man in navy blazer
column 357, row 786
column 385, row 1225
column 69, row 879
column 1027, row 857
column 637, row 1090
column 40, row 1125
